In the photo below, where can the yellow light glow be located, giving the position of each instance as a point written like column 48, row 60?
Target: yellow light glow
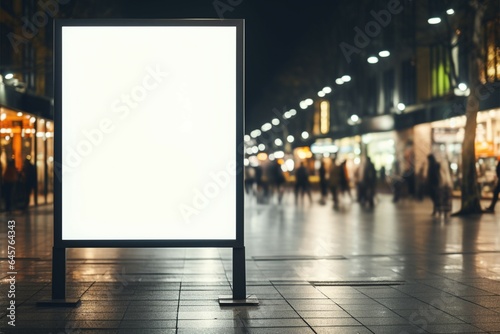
column 262, row 156
column 324, row 117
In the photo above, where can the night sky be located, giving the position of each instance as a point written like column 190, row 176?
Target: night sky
column 275, row 31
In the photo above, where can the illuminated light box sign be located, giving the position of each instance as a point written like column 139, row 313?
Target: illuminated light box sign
column 149, row 117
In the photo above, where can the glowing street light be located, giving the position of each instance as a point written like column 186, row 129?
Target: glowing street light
column 278, row 142
column 327, row 90
column 339, row 81
column 303, row 105
column 266, row 127
column 346, row 78
column 384, row 53
column 372, row 60
column 401, row 106
column 255, row 133
column 321, row 93
column 450, row 11
column 290, row 139
column 354, row 118
column 275, row 121
column 305, row 135
column 434, row 20
column 9, row 76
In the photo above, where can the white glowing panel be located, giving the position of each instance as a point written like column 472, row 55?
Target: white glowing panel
column 148, row 133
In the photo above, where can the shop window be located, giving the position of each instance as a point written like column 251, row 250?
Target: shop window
column 491, row 71
column 40, row 162
column 18, row 143
column 440, row 71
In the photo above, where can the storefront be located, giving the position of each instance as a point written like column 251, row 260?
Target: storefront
column 447, row 138
column 381, row 149
column 28, row 139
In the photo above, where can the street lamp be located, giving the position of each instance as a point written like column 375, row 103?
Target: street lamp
column 434, row 20
column 255, row 133
column 266, row 127
column 305, row 135
column 384, row 53
column 346, row 78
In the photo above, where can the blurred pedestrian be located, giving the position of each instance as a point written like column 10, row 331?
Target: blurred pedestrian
column 323, row 183
column 358, row 177
column 259, row 181
column 409, row 181
column 397, row 183
column 369, row 182
column 302, row 184
column 420, row 183
column 335, row 182
column 344, row 180
column 433, row 181
column 249, row 180
column 29, row 180
column 10, row 178
column 382, row 174
column 445, row 185
column 496, row 190
column 278, row 180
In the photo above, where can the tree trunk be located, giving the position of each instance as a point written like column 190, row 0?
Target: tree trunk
column 470, row 190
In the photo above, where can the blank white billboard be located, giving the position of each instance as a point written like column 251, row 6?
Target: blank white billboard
column 148, row 132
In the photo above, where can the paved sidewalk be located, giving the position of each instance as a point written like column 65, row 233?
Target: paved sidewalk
column 393, row 269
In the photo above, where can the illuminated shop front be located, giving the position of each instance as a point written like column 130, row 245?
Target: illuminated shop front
column 447, row 139
column 381, row 149
column 24, row 137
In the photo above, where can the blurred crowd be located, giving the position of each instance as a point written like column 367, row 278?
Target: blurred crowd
column 268, row 183
column 17, row 185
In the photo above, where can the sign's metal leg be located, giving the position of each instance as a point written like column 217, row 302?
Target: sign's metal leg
column 59, row 281
column 58, row 273
column 239, row 274
column 239, row 296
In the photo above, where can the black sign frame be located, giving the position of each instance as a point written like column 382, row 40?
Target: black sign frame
column 59, row 242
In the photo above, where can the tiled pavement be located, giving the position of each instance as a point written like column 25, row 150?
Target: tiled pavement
column 393, row 269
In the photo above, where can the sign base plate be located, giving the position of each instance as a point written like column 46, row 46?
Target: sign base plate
column 59, row 303
column 227, row 300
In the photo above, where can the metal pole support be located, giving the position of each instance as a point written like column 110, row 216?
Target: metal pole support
column 239, row 274
column 239, row 297
column 59, row 281
column 58, row 273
